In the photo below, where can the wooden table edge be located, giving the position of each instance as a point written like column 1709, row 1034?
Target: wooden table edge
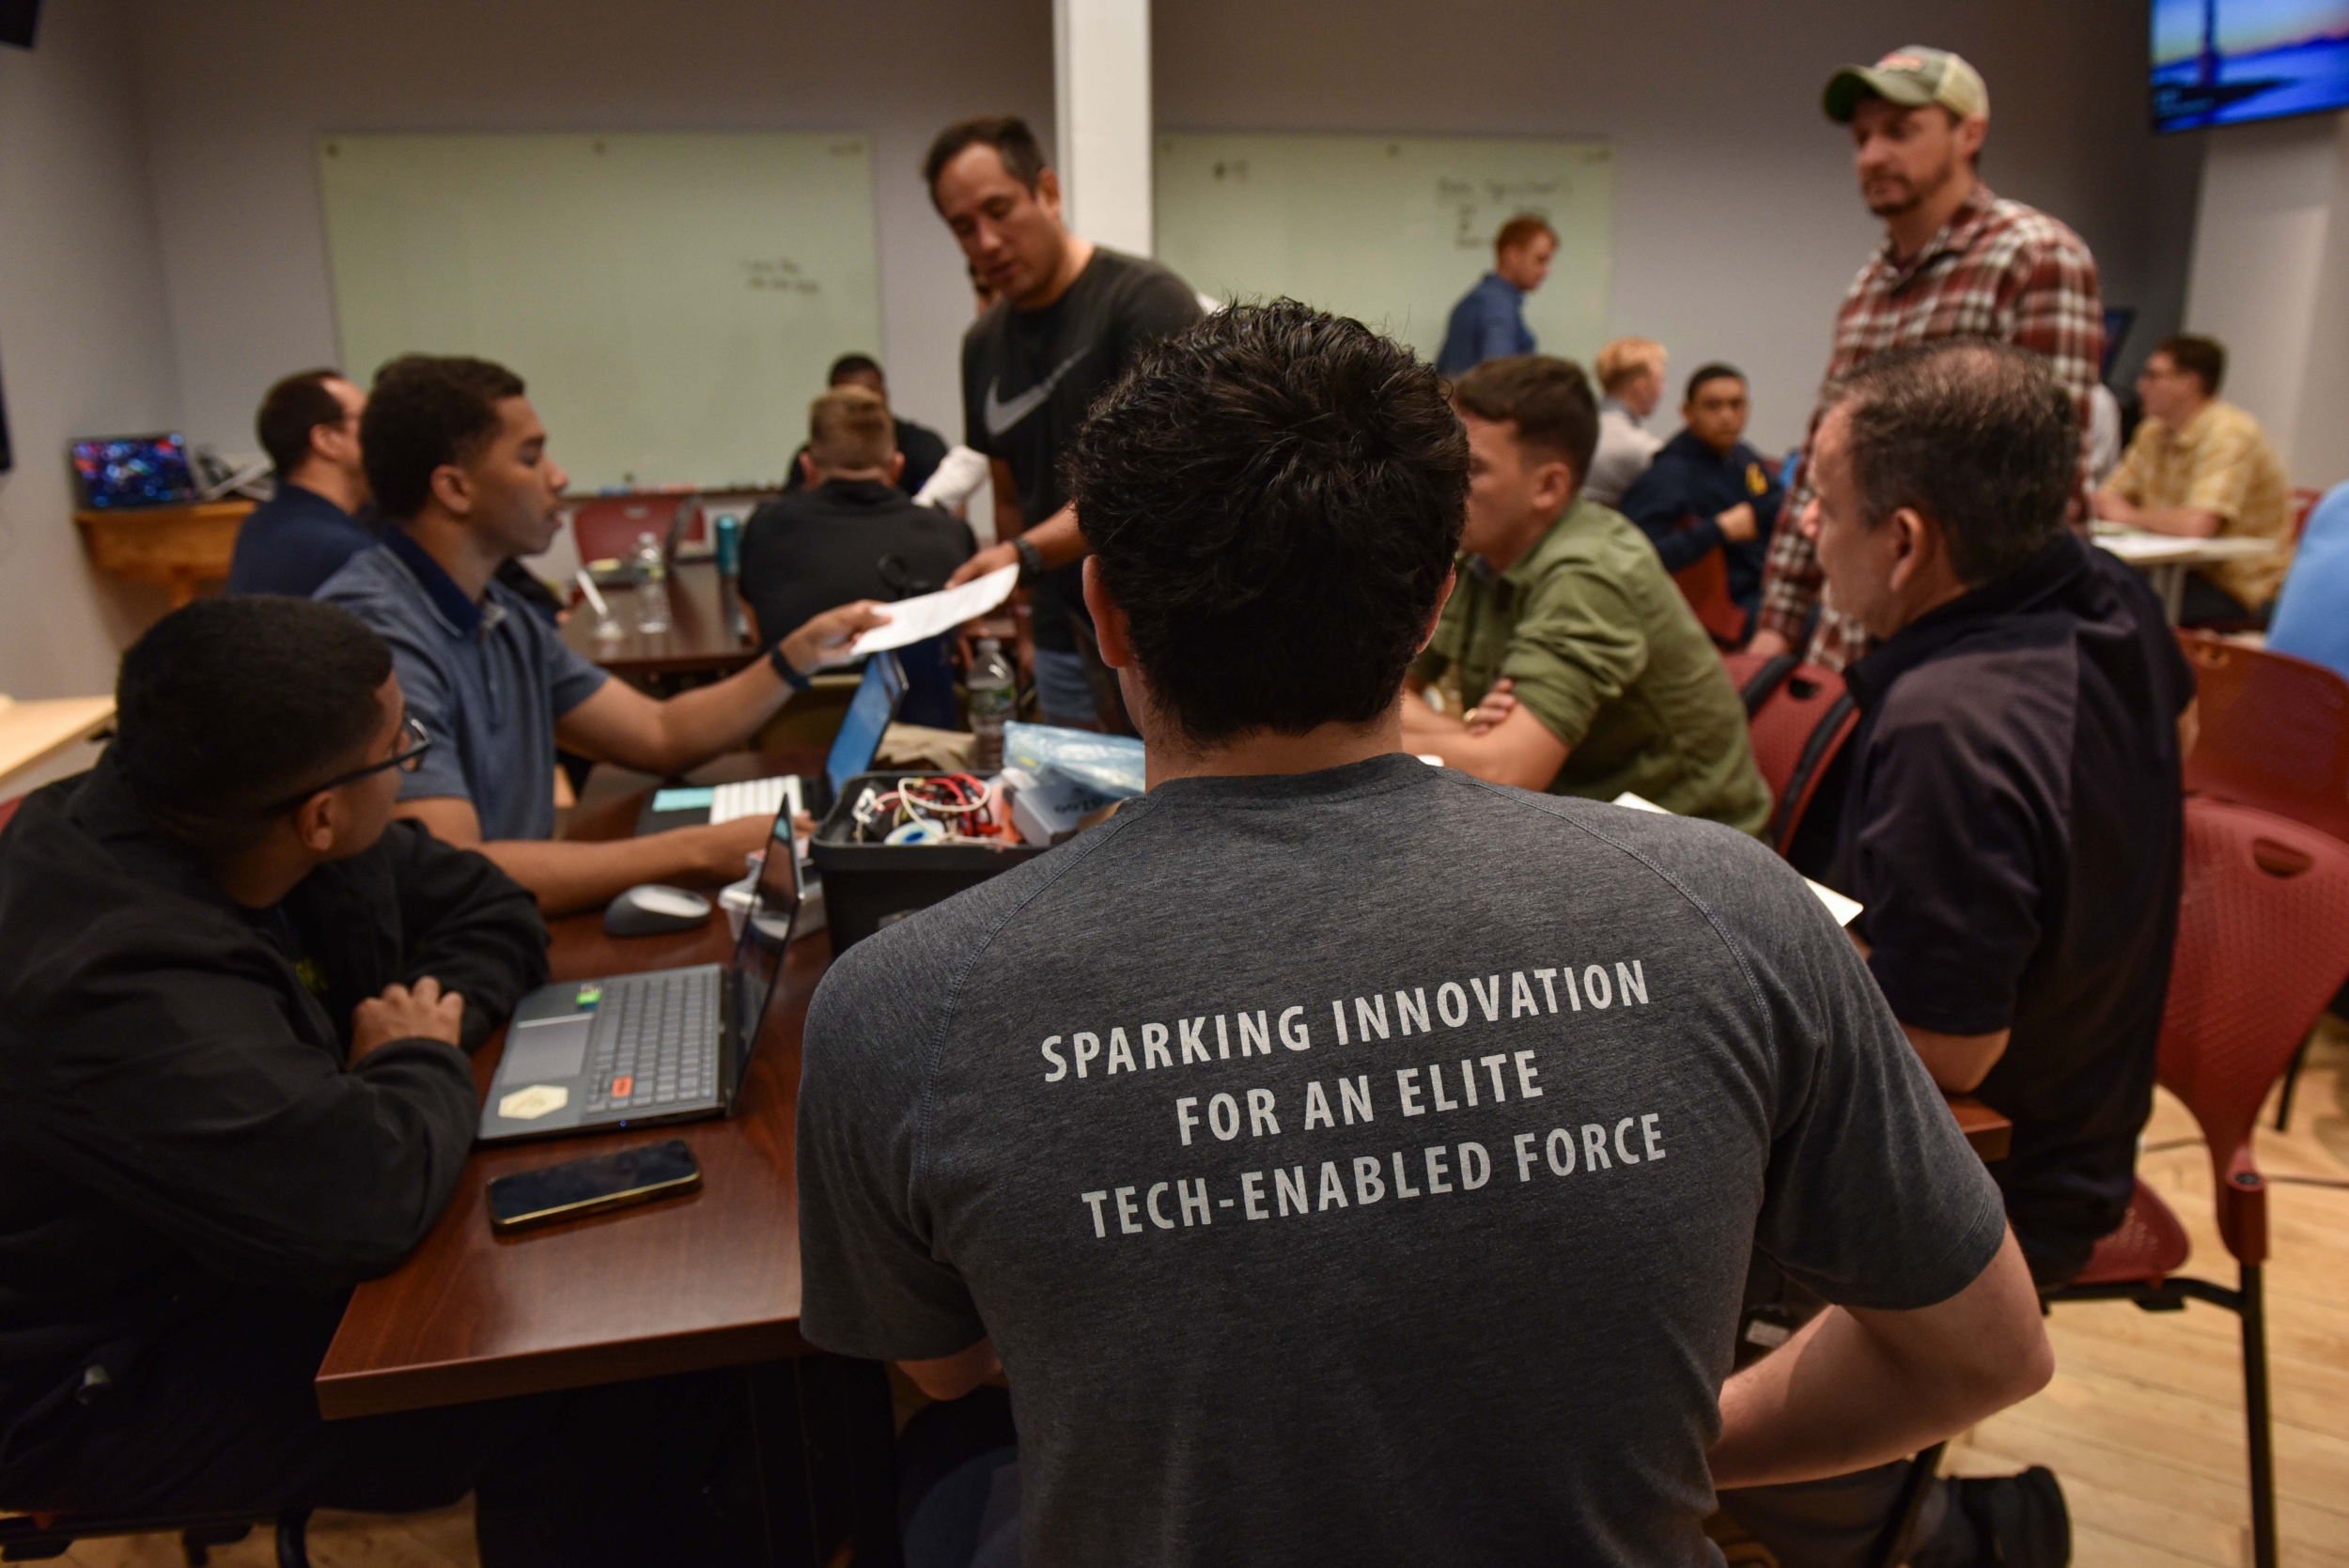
column 344, row 1395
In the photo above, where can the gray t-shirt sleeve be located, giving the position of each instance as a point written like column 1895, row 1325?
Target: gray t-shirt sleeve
column 873, row 1283
column 572, row 677
column 1873, row 1199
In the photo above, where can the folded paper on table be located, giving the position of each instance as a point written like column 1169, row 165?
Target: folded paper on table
column 910, row 620
column 1843, row 908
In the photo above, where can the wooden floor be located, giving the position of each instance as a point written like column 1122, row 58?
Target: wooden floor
column 2143, row 1421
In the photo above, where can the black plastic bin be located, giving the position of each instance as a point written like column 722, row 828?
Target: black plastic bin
column 866, row 883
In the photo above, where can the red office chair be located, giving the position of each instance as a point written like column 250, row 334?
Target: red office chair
column 1756, row 675
column 2303, row 503
column 607, row 527
column 2263, row 941
column 1704, row 584
column 1798, row 728
column 2275, row 733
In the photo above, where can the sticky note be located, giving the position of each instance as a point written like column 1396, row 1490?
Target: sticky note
column 528, row 1105
column 683, row 798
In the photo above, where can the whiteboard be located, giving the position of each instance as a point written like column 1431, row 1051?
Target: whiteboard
column 671, row 300
column 1389, row 229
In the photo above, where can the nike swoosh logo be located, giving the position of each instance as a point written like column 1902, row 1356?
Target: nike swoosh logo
column 1001, row 415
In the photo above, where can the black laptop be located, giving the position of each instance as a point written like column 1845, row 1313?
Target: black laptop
column 871, row 711
column 664, row 1046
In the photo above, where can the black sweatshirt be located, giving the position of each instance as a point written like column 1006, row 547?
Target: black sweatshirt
column 177, row 1120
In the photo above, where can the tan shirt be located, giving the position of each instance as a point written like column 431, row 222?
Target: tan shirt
column 2222, row 462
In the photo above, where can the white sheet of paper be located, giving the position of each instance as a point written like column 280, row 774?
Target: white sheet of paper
column 927, row 614
column 1843, row 908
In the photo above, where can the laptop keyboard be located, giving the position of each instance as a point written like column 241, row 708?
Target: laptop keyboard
column 753, row 798
column 661, row 1046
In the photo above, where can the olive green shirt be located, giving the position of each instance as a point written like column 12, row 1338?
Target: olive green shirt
column 1607, row 654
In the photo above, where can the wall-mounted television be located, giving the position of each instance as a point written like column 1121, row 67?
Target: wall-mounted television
column 2222, row 62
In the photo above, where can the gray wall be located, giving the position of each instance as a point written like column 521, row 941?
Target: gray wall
column 237, row 188
column 1737, row 225
column 84, row 340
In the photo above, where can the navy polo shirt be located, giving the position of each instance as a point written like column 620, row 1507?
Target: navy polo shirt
column 1690, row 483
column 2013, row 827
column 486, row 680
column 294, row 541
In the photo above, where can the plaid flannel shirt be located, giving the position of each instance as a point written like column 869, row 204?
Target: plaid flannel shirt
column 1998, row 269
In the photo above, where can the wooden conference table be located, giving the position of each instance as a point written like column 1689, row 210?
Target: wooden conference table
column 710, row 1280
column 699, row 642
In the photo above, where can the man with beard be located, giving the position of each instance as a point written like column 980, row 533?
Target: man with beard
column 1956, row 261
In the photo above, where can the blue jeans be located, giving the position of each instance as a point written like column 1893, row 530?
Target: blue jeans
column 1062, row 689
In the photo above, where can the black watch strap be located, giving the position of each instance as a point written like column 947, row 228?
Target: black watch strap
column 784, row 668
column 1031, row 559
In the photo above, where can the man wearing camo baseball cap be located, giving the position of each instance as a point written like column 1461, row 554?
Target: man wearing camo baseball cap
column 1956, row 261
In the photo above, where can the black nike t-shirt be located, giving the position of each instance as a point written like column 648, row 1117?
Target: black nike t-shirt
column 1030, row 377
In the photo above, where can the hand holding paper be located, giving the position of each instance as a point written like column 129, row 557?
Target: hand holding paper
column 910, row 620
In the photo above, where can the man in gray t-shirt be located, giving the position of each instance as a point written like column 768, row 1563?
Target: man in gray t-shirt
column 1350, row 1160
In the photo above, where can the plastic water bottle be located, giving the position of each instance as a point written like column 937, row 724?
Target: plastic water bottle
column 994, row 694
column 652, row 592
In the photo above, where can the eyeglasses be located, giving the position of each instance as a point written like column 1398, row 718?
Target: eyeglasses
column 414, row 743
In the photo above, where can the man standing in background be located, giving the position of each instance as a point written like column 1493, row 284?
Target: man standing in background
column 1631, row 377
column 299, row 536
column 1489, row 320
column 1069, row 318
column 1956, row 261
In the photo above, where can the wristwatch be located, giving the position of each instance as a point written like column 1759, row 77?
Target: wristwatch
column 789, row 671
column 1031, row 559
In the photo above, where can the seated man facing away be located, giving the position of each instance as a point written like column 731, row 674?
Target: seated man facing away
column 2203, row 468
column 1708, row 490
column 301, row 536
column 457, row 460
column 922, row 447
column 238, row 1086
column 853, row 535
column 1630, row 375
column 2013, row 824
column 1428, row 1245
column 1607, row 683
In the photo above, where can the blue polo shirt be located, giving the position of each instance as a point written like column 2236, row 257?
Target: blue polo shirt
column 1488, row 323
column 486, row 680
column 294, row 541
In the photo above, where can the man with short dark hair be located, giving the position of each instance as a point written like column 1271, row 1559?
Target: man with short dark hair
column 308, row 424
column 1349, row 1160
column 235, row 1002
column 2203, row 468
column 922, row 447
column 1489, row 320
column 1069, row 317
column 2011, row 827
column 1585, row 670
column 458, row 463
column 1956, row 261
column 1709, row 491
column 853, row 535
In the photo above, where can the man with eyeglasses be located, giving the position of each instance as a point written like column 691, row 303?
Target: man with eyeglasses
column 235, row 1002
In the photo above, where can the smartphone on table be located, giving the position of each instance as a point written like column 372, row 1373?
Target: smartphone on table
column 593, row 1185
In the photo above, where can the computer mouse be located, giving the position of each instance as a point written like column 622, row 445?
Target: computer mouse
column 652, row 910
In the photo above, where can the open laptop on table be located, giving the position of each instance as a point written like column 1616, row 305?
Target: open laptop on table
column 870, row 713
column 634, row 1049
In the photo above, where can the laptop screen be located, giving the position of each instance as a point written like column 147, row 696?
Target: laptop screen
column 869, row 713
column 134, row 471
column 758, row 956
